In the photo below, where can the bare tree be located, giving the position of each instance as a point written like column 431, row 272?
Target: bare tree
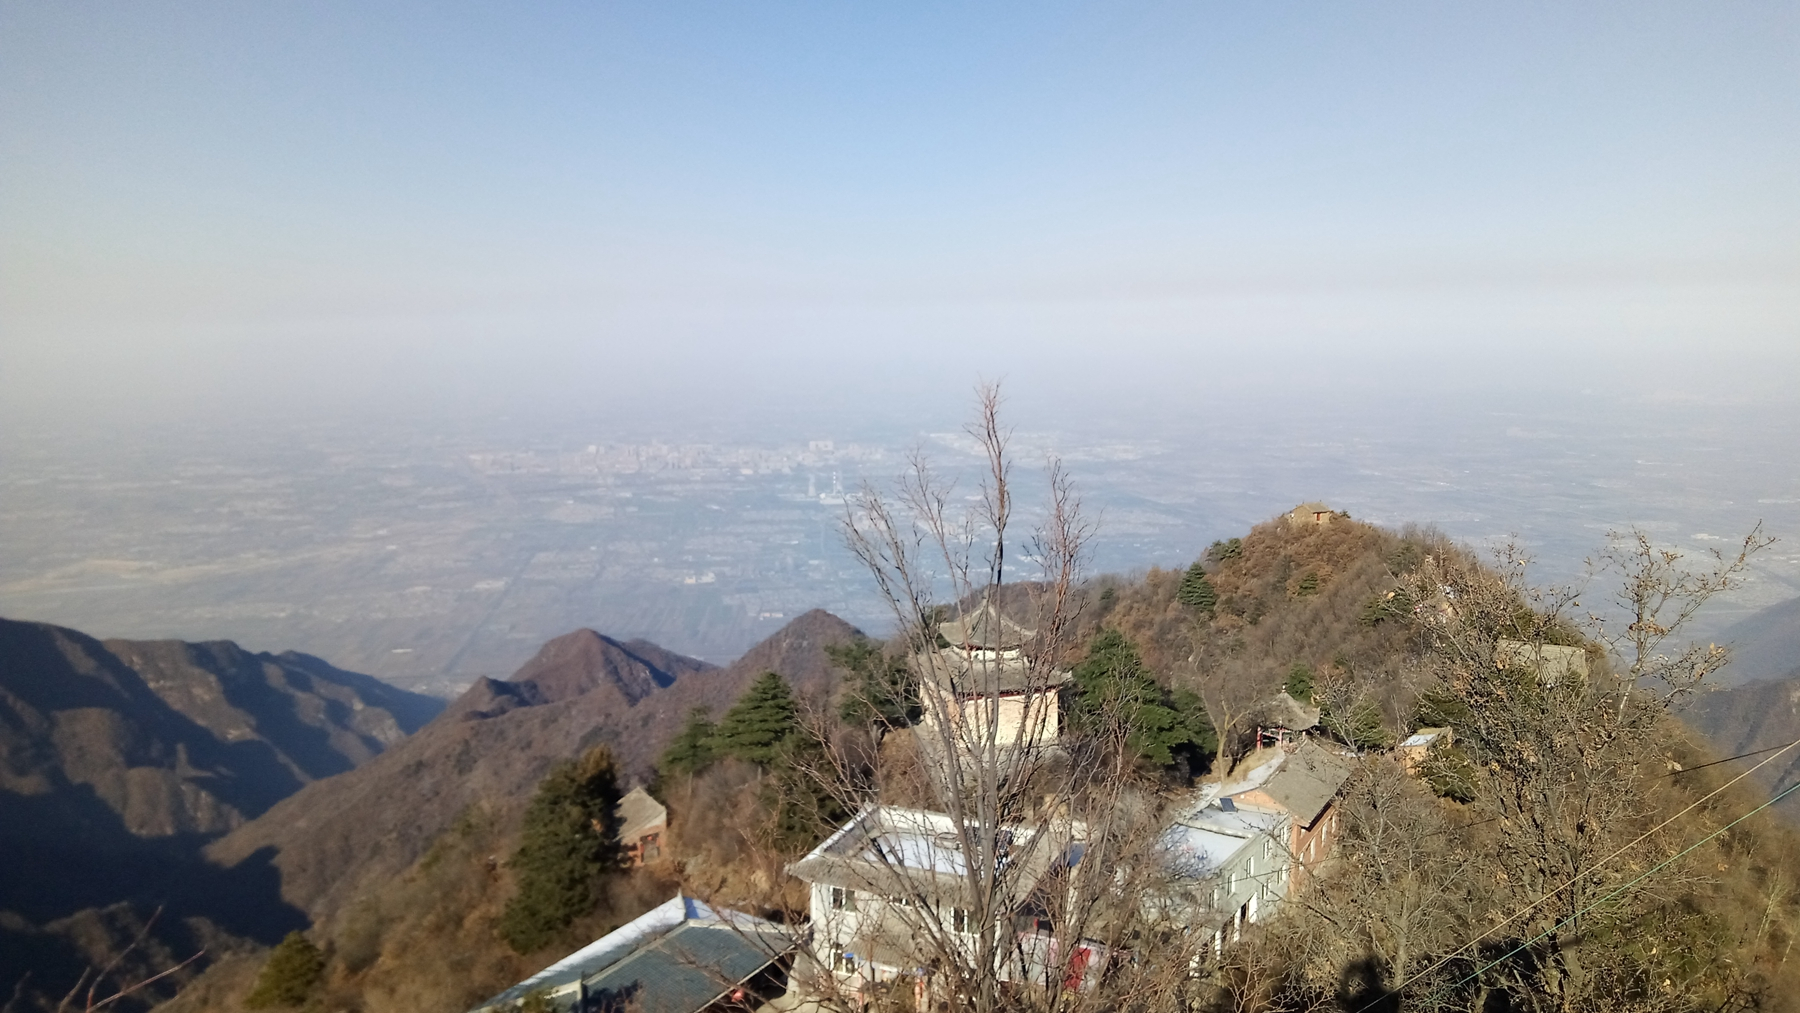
column 1561, row 751
column 1052, row 842
column 93, row 979
column 1659, row 594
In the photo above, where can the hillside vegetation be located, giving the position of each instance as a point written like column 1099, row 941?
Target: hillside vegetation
column 1572, row 850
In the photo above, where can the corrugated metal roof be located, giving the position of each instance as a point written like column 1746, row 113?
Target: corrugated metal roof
column 660, row 960
column 896, row 852
column 685, row 970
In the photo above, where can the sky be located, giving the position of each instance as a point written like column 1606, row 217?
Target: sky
column 210, row 208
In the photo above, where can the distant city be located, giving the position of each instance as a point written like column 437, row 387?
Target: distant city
column 429, row 560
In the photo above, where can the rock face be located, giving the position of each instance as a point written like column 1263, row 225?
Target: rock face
column 497, row 741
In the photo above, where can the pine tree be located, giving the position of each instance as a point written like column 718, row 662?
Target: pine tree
column 293, row 970
column 1360, row 725
column 1300, row 683
column 1165, row 730
column 1196, row 591
column 881, row 690
column 762, row 723
column 692, row 750
column 567, row 846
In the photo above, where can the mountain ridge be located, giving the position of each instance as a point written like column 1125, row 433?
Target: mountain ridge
column 120, row 759
column 494, row 743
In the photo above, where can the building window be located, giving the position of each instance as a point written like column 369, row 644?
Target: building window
column 843, row 963
column 959, row 920
column 842, row 899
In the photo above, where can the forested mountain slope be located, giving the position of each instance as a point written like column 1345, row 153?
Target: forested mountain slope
column 1458, row 881
column 1753, row 717
column 334, row 839
column 120, row 758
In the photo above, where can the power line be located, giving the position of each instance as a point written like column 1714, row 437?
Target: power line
column 1789, row 790
column 1728, row 759
column 1515, row 916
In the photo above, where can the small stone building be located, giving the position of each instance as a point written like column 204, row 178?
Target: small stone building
column 643, row 823
column 1415, row 747
column 1310, row 514
column 1550, row 663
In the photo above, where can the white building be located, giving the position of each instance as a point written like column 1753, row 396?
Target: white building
column 1228, row 866
column 888, row 891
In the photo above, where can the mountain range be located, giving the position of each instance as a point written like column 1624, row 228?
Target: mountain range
column 255, row 793
column 119, row 759
column 496, row 741
column 252, row 793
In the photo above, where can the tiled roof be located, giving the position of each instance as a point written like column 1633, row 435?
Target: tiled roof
column 985, row 627
column 972, row 673
column 1307, row 781
column 1287, row 712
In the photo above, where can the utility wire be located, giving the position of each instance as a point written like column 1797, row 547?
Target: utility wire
column 1728, row 759
column 1789, row 790
column 1515, row 916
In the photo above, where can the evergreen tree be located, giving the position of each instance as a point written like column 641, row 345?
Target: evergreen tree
column 567, row 846
column 1167, row 730
column 762, row 723
column 1196, row 591
column 1359, row 725
column 294, row 969
column 1300, row 683
column 881, row 690
column 692, row 750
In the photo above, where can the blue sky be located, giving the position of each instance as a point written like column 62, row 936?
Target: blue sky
column 340, row 199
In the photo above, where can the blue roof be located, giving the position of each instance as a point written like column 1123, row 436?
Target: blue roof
column 683, row 971
column 676, row 958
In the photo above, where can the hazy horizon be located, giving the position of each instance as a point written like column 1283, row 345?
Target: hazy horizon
column 1515, row 270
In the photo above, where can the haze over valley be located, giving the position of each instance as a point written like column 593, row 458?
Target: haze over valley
column 435, row 552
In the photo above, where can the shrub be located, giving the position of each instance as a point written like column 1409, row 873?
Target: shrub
column 1300, row 683
column 294, row 970
column 1219, row 552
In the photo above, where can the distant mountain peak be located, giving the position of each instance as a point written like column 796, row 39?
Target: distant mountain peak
column 499, row 739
